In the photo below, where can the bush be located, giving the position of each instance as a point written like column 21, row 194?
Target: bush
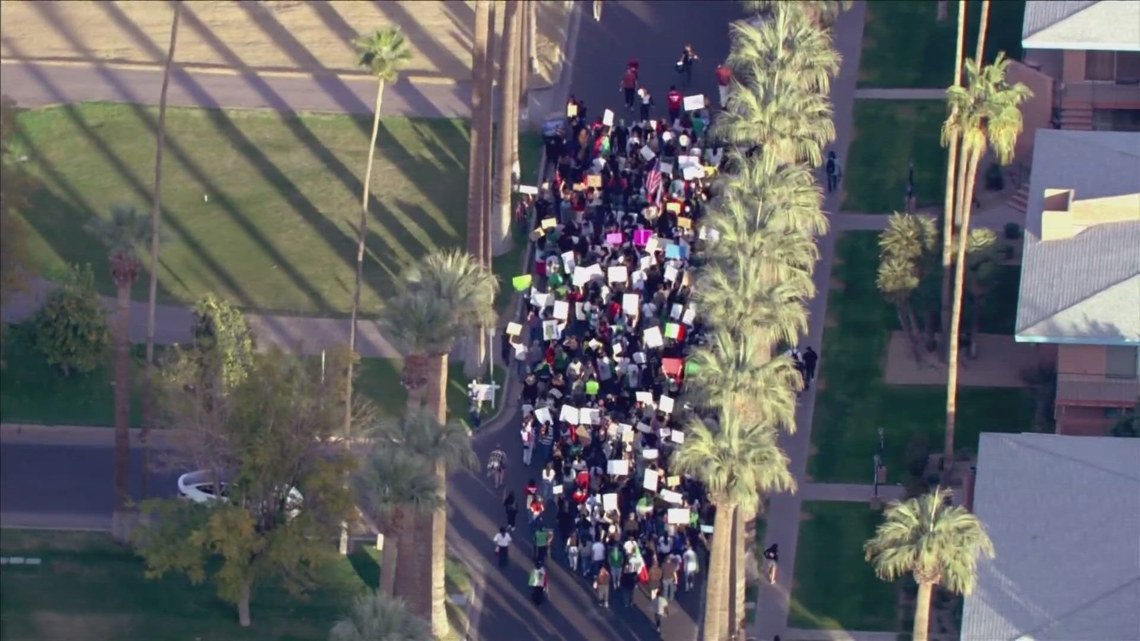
column 1012, row 231
column 916, row 455
column 70, row 330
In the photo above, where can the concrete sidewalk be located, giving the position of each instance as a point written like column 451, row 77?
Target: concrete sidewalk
column 936, row 93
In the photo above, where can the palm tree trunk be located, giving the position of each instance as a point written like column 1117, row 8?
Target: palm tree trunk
column 716, row 622
column 951, row 167
column 975, row 321
column 922, row 612
column 122, row 409
column 956, row 317
column 155, row 234
column 390, row 559
column 509, row 122
column 982, row 27
column 479, row 101
column 411, row 572
column 532, row 40
column 488, row 154
column 739, row 570
column 437, row 406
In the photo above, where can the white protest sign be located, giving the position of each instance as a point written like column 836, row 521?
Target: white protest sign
column 642, row 427
column 647, row 154
column 609, row 501
column 666, row 167
column 627, row 437
column 692, row 173
column 689, row 161
column 542, row 415
column 590, row 416
column 677, row 516
column 618, row 274
column 581, row 276
column 669, row 496
column 671, row 273
column 514, row 329
column 677, row 436
column 676, row 310
column 653, row 337
column 624, row 427
column 608, row 118
column 568, row 261
column 637, row 279
column 595, row 271
column 639, row 358
column 694, row 103
column 557, row 489
column 580, row 311
column 650, row 481
column 665, row 404
column 645, row 398
column 652, row 245
column 706, row 529
column 617, row 467
column 551, row 331
column 541, row 299
column 529, row 190
column 650, row 454
column 690, row 315
column 630, row 304
column 561, row 310
column 569, row 414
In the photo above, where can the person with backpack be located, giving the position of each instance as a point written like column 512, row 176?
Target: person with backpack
column 834, row 172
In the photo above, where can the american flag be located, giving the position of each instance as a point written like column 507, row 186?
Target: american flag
column 653, row 183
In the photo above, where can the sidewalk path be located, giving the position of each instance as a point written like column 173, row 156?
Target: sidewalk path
column 901, row 94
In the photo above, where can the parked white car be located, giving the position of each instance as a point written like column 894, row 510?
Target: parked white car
column 198, row 486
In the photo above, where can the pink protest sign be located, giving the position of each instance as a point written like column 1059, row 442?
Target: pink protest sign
column 641, row 237
column 614, row 238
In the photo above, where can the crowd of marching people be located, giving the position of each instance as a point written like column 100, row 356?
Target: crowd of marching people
column 602, row 351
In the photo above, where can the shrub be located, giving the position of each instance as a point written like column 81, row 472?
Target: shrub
column 1012, row 231
column 70, row 330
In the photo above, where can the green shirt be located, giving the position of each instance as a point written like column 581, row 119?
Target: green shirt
column 541, row 538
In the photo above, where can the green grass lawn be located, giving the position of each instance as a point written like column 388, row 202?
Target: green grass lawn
column 853, row 401
column 889, row 134
column 834, row 587
column 904, row 45
column 90, row 589
column 33, row 392
column 260, row 208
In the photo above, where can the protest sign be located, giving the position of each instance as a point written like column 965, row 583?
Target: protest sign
column 645, row 262
column 642, row 427
column 692, row 173
column 608, row 118
column 592, row 388
column 630, row 304
column 627, row 437
column 677, row 516
column 671, row 272
column 624, row 427
column 694, row 103
column 569, row 263
column 690, row 316
column 571, row 109
column 521, row 282
column 615, row 238
column 652, row 337
column 581, row 276
column 639, row 358
column 514, row 329
column 569, row 414
column 665, row 404
column 558, row 489
column 653, row 244
column 543, row 416
column 647, row 154
column 561, row 310
column 593, row 180
column 589, row 416
column 673, row 366
column 549, row 223
column 685, row 223
column 528, row 190
column 673, row 481
column 609, row 502
column 669, row 496
column 673, row 206
column 676, row 251
column 650, row 480
column 675, row 311
column 541, row 299
column 675, row 331
column 677, row 436
column 551, row 331
column 706, row 529
column 580, row 311
column 617, row 468
column 642, row 236
column 650, row 454
column 638, row 278
column 666, row 168
column 579, row 186
column 619, row 274
column 645, row 398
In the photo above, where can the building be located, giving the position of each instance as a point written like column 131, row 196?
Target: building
column 1064, row 515
column 1092, row 51
column 1080, row 274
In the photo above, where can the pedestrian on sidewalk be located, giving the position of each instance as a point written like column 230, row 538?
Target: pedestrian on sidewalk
column 660, row 611
column 538, row 584
column 771, row 558
column 527, row 436
column 602, row 587
column 573, row 551
column 496, row 465
column 834, row 172
column 502, row 546
column 810, row 359
column 511, row 505
column 542, row 538
column 629, row 86
column 723, row 82
column 669, row 577
column 673, row 101
column 692, row 566
column 646, row 103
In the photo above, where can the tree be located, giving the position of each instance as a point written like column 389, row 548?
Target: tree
column 395, row 484
column 732, row 371
column 70, row 330
column 935, row 542
column 789, row 126
column 736, row 461
column 755, row 200
column 122, row 232
column 983, row 262
column 826, row 11
column 788, row 52
column 776, row 310
column 906, row 249
column 481, row 101
column 155, row 241
column 951, row 137
column 445, row 447
column 989, row 110
column 378, row 617
column 270, row 439
column 508, row 129
column 383, row 52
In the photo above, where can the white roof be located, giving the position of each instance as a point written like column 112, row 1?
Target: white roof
column 1064, row 516
column 1103, row 25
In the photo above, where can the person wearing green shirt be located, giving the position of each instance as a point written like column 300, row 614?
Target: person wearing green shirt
column 542, row 538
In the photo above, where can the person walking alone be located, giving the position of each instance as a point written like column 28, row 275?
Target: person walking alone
column 723, row 82
column 538, row 584
column 496, row 465
column 771, row 558
column 685, row 63
column 834, row 172
column 629, row 87
column 646, row 103
column 502, row 546
column 810, row 358
column 673, row 101
column 511, row 505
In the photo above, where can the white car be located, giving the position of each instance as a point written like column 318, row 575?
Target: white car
column 198, row 486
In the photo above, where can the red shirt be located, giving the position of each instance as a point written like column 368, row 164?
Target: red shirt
column 674, row 98
column 723, row 75
column 629, row 80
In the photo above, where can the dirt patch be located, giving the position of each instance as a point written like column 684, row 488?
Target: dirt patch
column 313, row 37
column 999, row 363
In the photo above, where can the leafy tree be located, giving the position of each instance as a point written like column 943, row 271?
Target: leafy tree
column 789, row 126
column 269, row 439
column 376, row 617
column 935, row 542
column 755, row 200
column 906, row 260
column 71, row 328
column 222, row 335
column 732, row 372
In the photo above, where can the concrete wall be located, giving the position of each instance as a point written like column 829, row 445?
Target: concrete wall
column 1037, row 112
column 1081, row 359
column 1073, row 66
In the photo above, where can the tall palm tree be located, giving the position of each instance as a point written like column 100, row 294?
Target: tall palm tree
column 731, row 371
column 122, row 233
column 439, row 300
column 897, row 279
column 983, row 26
column 480, row 101
column 789, row 126
column 768, row 258
column 155, row 238
column 951, row 139
column 751, row 199
column 776, row 310
column 380, row 618
column 445, row 447
column 990, row 112
column 487, row 155
column 826, row 11
column 508, row 129
column 935, row 542
column 396, row 485
column 737, row 461
column 383, row 53
column 789, row 51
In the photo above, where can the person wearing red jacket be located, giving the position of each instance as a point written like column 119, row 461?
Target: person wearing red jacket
column 673, row 101
column 629, row 87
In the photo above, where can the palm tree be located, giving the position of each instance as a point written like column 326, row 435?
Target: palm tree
column 480, row 102
column 155, row 238
column 897, row 279
column 787, row 199
column 826, row 11
column 983, row 262
column 444, row 447
column 486, row 155
column 777, row 310
column 383, row 53
column 732, row 371
column 990, row 115
column 789, row 126
column 982, row 28
column 768, row 257
column 122, row 232
column 380, row 618
column 788, row 52
column 508, row 129
column 951, row 139
column 396, row 485
column 935, row 542
column 737, row 461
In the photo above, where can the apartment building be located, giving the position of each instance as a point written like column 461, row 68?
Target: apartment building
column 1080, row 278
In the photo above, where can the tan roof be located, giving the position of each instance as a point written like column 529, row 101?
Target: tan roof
column 1105, row 25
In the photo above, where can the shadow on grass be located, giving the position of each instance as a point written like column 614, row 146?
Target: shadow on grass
column 365, row 562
